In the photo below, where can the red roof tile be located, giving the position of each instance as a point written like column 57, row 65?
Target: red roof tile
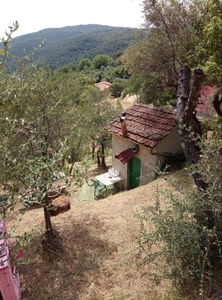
column 127, row 154
column 205, row 100
column 103, row 86
column 145, row 125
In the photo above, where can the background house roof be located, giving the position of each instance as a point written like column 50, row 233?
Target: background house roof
column 103, row 86
column 205, row 101
column 145, row 125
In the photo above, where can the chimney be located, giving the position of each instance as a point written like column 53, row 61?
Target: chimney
column 123, row 123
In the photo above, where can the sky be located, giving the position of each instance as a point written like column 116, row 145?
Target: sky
column 35, row 15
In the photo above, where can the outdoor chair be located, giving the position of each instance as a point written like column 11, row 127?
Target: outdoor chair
column 100, row 190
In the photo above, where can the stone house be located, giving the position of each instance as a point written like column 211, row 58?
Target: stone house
column 142, row 138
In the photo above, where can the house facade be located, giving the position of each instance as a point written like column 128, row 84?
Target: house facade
column 142, row 138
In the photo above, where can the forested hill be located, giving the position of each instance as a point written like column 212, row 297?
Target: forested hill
column 68, row 45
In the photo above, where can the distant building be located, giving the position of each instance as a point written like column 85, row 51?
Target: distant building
column 205, row 101
column 103, row 86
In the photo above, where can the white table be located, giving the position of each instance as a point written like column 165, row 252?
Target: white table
column 106, row 179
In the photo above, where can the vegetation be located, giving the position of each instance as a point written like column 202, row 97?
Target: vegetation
column 33, row 140
column 54, row 115
column 154, row 61
column 205, row 53
column 185, row 241
column 98, row 261
column 68, row 45
column 45, row 118
column 116, row 89
column 186, row 235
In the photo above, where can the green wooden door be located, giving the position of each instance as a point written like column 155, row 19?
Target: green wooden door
column 134, row 173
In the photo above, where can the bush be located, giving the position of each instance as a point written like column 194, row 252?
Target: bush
column 100, row 60
column 84, row 64
column 116, row 89
column 182, row 236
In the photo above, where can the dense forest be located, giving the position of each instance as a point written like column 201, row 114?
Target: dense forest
column 68, row 45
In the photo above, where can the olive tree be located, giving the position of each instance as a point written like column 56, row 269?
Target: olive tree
column 154, row 60
column 34, row 128
column 185, row 238
column 95, row 112
column 36, row 111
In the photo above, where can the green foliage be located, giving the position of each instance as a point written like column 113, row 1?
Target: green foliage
column 175, row 240
column 6, row 44
column 206, row 51
column 83, row 64
column 166, row 99
column 96, row 113
column 182, row 235
column 33, row 130
column 154, row 60
column 68, row 45
column 67, row 69
column 116, row 89
column 37, row 112
column 46, row 117
column 100, row 61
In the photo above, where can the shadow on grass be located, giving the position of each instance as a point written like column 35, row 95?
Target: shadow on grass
column 71, row 274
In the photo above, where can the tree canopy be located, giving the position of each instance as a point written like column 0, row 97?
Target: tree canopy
column 175, row 31
column 45, row 118
column 208, row 42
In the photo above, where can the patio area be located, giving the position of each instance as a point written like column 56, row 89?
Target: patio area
column 101, row 186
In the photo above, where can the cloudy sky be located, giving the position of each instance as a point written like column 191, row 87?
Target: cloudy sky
column 36, row 15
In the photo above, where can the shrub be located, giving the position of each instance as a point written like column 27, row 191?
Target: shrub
column 116, row 89
column 84, row 64
column 100, row 60
column 182, row 235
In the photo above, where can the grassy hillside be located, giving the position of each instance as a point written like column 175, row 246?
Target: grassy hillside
column 99, row 238
column 70, row 44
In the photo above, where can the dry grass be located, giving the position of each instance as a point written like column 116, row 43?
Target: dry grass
column 98, row 262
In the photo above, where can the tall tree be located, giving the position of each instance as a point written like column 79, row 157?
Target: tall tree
column 34, row 118
column 169, row 39
column 188, row 125
column 96, row 112
column 36, row 110
column 208, row 42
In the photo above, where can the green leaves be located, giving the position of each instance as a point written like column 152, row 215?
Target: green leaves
column 208, row 41
column 6, row 43
column 182, row 234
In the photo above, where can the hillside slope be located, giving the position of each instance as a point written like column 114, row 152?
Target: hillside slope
column 70, row 44
column 99, row 240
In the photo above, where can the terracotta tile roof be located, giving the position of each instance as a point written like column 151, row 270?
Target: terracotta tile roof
column 145, row 125
column 103, row 86
column 127, row 155
column 205, row 100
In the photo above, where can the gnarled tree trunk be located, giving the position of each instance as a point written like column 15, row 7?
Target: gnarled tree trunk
column 48, row 224
column 187, row 124
column 217, row 103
